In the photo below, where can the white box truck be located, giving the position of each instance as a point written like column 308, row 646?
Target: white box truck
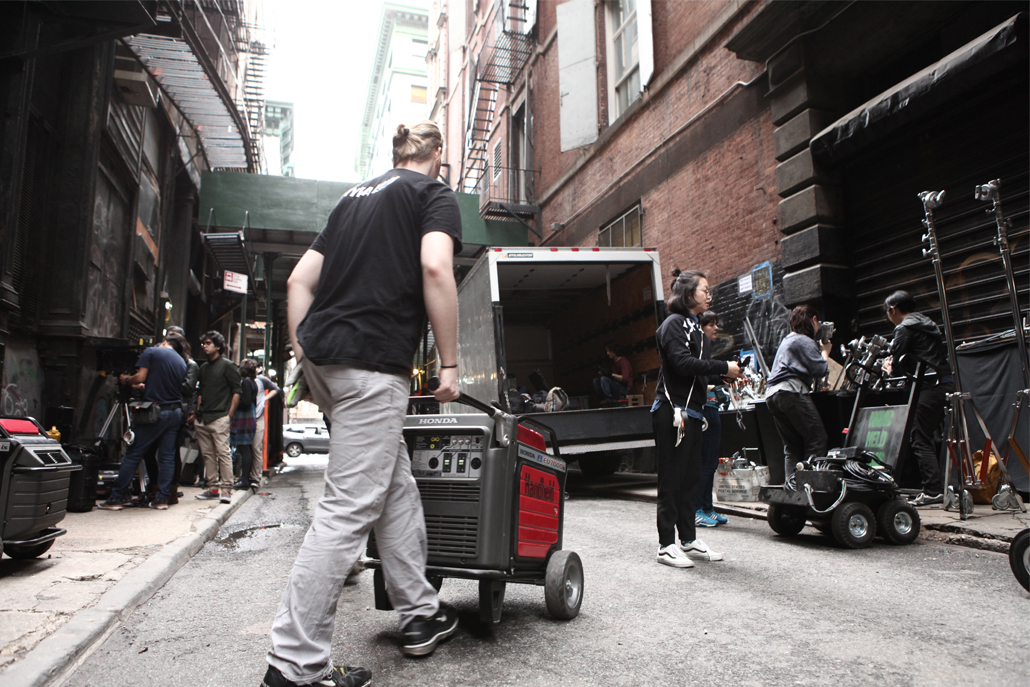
column 552, row 310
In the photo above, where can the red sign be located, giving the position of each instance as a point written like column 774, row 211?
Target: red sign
column 233, row 281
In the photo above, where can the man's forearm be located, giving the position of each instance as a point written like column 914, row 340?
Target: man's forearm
column 300, row 294
column 232, row 405
column 442, row 307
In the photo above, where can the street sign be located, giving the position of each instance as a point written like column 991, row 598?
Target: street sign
column 234, row 281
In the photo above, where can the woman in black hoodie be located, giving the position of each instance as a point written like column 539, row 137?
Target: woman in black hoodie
column 682, row 386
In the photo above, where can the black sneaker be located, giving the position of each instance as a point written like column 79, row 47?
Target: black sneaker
column 421, row 635
column 924, row 499
column 347, row 676
column 114, row 504
column 158, row 504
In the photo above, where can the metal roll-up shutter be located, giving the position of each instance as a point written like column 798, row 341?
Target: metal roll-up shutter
column 971, row 140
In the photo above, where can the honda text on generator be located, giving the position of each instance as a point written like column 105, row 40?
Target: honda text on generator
column 851, row 493
column 34, row 476
column 494, row 507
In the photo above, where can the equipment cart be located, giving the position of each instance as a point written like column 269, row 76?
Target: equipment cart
column 851, row 493
column 34, row 476
column 494, row 507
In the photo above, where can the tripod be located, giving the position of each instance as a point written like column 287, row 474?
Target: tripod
column 991, row 191
column 959, row 445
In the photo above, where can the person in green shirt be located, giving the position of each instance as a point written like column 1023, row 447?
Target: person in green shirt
column 218, row 393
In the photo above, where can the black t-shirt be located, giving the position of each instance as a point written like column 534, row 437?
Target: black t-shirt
column 368, row 308
column 165, row 372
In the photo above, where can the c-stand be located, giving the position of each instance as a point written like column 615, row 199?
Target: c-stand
column 991, row 191
column 958, row 440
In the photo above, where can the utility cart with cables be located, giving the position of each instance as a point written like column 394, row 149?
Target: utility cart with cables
column 851, row 493
column 494, row 506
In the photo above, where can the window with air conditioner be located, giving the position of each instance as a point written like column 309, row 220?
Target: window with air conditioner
column 624, row 231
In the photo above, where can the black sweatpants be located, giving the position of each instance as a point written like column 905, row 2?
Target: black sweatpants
column 799, row 426
column 679, row 470
column 929, row 411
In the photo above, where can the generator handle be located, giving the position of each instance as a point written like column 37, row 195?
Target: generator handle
column 463, row 398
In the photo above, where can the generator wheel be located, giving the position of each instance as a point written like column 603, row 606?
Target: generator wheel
column 563, row 585
column 379, row 589
column 898, row 522
column 786, row 521
column 1019, row 558
column 854, row 525
column 24, row 553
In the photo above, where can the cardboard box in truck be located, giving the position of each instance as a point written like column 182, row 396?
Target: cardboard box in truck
column 527, row 315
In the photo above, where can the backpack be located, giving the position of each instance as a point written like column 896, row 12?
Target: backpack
column 557, row 400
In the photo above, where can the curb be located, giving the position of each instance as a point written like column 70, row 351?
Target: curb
column 52, row 660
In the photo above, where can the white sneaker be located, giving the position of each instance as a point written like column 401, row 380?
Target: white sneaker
column 697, row 549
column 672, row 555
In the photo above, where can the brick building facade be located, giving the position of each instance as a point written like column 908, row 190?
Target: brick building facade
column 708, row 159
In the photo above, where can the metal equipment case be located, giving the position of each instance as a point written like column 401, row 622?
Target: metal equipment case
column 494, row 508
column 34, row 476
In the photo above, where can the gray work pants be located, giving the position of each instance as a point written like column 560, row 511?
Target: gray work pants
column 368, row 484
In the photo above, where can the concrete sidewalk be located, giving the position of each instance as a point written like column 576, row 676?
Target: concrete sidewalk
column 985, row 529
column 54, row 609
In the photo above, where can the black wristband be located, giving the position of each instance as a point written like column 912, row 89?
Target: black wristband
column 448, row 367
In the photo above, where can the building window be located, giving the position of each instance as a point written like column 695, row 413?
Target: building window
column 497, row 159
column 624, row 60
column 418, row 94
column 623, row 232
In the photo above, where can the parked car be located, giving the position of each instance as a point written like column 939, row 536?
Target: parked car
column 304, row 438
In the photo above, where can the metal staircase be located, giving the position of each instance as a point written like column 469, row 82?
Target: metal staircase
column 254, row 98
column 477, row 134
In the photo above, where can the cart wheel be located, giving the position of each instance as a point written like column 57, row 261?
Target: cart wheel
column 491, row 601
column 563, row 585
column 853, row 525
column 24, row 553
column 379, row 588
column 786, row 521
column 1019, row 558
column 898, row 522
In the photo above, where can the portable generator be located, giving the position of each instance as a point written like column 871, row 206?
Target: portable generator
column 34, row 476
column 494, row 508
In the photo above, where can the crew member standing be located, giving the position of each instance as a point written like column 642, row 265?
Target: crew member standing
column 218, row 393
column 686, row 364
column 917, row 335
column 356, row 304
column 160, row 370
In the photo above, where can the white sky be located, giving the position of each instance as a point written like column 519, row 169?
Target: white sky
column 322, row 53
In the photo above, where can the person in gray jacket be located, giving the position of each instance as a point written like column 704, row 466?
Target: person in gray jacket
column 799, row 362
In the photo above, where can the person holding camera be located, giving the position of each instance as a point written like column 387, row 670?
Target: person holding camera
column 917, row 335
column 160, row 371
column 799, row 362
column 677, row 419
column 614, row 387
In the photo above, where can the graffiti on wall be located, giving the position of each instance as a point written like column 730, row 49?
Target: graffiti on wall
column 757, row 296
column 21, row 390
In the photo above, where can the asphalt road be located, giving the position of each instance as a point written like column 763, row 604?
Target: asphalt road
column 775, row 612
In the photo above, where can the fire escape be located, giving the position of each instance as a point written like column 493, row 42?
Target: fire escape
column 254, row 96
column 502, row 190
